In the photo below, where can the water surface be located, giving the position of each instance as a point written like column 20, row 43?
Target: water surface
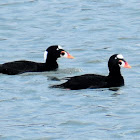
column 90, row 30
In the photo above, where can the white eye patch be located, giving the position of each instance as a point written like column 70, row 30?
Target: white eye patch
column 45, row 55
column 64, row 54
column 121, row 63
column 59, row 47
column 119, row 56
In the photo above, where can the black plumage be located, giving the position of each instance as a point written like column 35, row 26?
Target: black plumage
column 51, row 55
column 114, row 79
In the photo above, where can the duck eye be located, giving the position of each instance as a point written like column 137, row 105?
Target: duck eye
column 120, row 62
column 62, row 53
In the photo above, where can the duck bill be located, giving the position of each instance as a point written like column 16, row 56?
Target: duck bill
column 127, row 65
column 69, row 56
column 66, row 55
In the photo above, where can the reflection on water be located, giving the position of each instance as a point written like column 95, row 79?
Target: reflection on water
column 114, row 88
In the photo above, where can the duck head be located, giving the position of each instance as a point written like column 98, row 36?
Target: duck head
column 115, row 62
column 56, row 51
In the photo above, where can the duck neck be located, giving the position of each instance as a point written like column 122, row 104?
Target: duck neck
column 51, row 63
column 115, row 78
column 114, row 72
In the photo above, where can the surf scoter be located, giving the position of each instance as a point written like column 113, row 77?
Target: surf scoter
column 114, row 79
column 50, row 56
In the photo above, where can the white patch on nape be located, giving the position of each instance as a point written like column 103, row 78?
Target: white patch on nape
column 119, row 56
column 45, row 55
column 59, row 47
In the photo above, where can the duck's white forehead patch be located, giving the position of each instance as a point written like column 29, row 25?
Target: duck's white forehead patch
column 59, row 47
column 120, row 56
column 45, row 55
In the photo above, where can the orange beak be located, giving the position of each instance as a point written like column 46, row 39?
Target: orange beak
column 69, row 56
column 127, row 65
column 66, row 55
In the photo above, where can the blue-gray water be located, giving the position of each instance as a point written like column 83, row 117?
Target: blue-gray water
column 90, row 30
